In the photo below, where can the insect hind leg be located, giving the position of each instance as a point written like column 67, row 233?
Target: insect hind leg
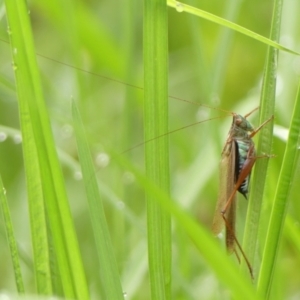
column 230, row 229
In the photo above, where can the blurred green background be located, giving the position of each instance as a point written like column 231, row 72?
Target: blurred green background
column 91, row 51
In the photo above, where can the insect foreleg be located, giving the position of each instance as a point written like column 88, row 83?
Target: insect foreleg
column 253, row 133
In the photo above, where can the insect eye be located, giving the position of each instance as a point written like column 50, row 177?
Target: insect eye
column 238, row 121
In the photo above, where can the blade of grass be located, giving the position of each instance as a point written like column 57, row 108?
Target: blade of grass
column 31, row 100
column 181, row 7
column 38, row 224
column 292, row 232
column 36, row 206
column 264, row 145
column 156, row 153
column 108, row 266
column 280, row 205
column 11, row 239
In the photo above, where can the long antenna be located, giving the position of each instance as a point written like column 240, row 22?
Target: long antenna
column 169, row 132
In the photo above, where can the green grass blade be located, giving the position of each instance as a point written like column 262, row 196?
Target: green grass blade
column 156, row 152
column 277, row 218
column 31, row 99
column 181, row 7
column 11, row 239
column 224, row 268
column 108, row 267
column 39, row 234
column 36, row 205
column 264, row 145
column 292, row 232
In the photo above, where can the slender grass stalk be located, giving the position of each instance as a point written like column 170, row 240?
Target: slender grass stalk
column 38, row 223
column 264, row 145
column 34, row 116
column 156, row 152
column 11, row 240
column 280, row 205
column 41, row 255
column 108, row 267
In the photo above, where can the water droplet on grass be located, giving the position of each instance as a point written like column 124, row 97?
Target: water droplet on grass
column 179, row 7
column 3, row 136
column 77, row 175
column 102, row 160
column 17, row 138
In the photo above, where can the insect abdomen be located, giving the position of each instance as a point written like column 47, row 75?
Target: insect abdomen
column 242, row 148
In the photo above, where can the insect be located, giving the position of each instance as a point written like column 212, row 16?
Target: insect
column 238, row 158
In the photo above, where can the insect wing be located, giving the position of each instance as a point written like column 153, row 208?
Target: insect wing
column 227, row 178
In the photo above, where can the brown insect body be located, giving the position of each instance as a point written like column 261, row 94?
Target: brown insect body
column 238, row 158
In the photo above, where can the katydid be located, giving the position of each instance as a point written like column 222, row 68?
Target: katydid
column 238, row 158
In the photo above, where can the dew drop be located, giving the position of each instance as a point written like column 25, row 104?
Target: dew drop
column 4, row 191
column 179, row 7
column 15, row 51
column 77, row 175
column 3, row 136
column 66, row 131
column 124, row 294
column 9, row 31
column 17, row 138
column 120, row 205
column 102, row 160
column 128, row 178
column 202, row 114
column 215, row 99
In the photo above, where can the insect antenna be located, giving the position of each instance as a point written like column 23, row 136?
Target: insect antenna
column 252, row 111
column 169, row 132
column 202, row 105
